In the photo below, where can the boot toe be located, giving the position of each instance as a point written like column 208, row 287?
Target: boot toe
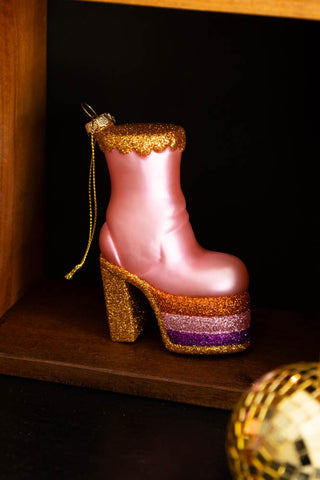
column 229, row 275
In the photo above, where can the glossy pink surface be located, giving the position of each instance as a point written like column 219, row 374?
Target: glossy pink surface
column 147, row 230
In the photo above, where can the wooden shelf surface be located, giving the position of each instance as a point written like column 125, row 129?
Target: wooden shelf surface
column 304, row 9
column 58, row 333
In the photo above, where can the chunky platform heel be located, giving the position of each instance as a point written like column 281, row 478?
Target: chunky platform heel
column 125, row 306
column 187, row 324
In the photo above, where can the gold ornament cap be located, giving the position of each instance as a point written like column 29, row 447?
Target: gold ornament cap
column 105, row 120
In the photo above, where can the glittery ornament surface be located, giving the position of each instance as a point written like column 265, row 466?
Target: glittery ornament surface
column 125, row 308
column 223, row 324
column 274, row 432
column 208, row 340
column 141, row 138
column 203, row 306
column 119, row 297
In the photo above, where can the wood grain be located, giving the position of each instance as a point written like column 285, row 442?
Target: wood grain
column 22, row 140
column 306, row 9
column 58, row 333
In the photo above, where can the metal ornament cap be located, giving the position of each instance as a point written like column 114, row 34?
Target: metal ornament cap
column 99, row 123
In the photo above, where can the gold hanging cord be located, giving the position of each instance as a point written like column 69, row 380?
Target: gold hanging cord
column 92, row 194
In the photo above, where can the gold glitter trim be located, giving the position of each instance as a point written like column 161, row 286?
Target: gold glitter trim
column 198, row 350
column 202, row 306
column 126, row 312
column 141, row 138
column 191, row 306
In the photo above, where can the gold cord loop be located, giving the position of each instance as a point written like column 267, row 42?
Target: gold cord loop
column 89, row 110
column 92, row 208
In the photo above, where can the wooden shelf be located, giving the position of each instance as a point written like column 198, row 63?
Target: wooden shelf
column 304, row 9
column 58, row 333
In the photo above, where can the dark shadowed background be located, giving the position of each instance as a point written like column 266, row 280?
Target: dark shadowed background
column 246, row 89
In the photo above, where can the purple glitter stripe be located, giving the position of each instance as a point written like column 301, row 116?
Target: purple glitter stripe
column 208, row 340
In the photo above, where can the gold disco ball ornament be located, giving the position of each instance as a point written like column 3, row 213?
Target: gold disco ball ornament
column 274, row 431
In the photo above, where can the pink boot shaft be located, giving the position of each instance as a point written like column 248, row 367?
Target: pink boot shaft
column 148, row 232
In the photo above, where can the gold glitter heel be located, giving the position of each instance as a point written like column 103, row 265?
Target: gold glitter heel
column 124, row 305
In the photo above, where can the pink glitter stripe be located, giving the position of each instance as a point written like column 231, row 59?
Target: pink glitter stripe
column 226, row 324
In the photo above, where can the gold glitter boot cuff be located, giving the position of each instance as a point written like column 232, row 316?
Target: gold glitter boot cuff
column 142, row 138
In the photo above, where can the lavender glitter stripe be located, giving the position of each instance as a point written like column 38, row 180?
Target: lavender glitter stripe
column 214, row 325
column 208, row 340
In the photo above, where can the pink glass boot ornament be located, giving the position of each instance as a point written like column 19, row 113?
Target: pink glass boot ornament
column 200, row 298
